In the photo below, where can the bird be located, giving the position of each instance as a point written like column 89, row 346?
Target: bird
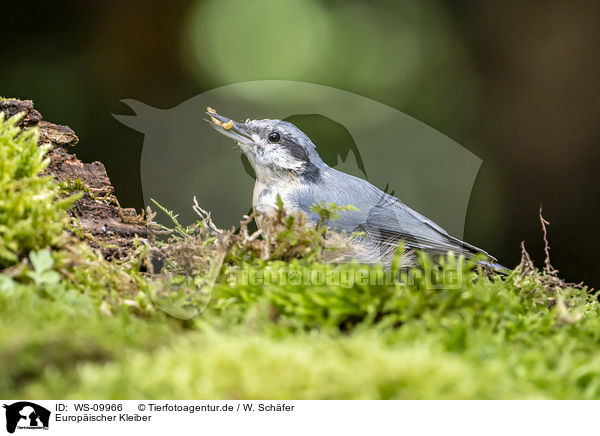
column 289, row 169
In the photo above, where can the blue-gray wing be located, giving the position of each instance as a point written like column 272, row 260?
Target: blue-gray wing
column 384, row 218
column 391, row 222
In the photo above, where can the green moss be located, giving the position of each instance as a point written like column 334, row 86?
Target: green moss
column 279, row 324
column 490, row 338
column 484, row 342
column 303, row 366
column 53, row 327
column 32, row 214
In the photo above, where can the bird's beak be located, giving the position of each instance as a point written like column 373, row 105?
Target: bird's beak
column 228, row 127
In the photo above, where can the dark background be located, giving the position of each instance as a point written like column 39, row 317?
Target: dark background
column 514, row 82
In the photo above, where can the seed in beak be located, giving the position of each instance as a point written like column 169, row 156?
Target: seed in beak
column 228, row 125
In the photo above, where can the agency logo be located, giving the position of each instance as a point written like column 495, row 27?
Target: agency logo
column 24, row 415
column 192, row 169
column 183, row 157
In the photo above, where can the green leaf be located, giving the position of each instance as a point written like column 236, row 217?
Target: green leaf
column 41, row 260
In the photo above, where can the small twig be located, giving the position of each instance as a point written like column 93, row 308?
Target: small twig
column 205, row 215
column 526, row 265
column 548, row 268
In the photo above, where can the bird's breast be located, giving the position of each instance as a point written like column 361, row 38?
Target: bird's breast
column 264, row 199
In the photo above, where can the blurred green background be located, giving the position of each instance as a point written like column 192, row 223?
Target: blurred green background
column 514, row 82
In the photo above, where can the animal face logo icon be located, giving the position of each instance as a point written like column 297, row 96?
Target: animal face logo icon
column 26, row 415
column 183, row 157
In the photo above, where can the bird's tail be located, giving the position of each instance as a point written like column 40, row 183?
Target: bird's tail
column 501, row 269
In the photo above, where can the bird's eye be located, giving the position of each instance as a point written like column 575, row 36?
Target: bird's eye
column 274, row 137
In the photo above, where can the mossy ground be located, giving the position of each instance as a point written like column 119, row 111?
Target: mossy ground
column 73, row 325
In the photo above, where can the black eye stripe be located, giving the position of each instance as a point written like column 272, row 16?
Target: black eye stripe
column 294, row 149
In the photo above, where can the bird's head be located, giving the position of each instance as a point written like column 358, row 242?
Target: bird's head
column 276, row 149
